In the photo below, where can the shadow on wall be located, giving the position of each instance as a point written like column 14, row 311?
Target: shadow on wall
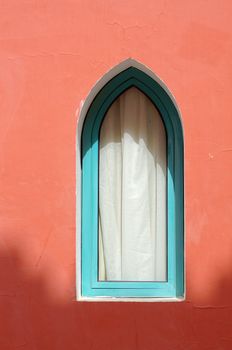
column 32, row 317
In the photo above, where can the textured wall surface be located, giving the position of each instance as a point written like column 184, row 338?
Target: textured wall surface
column 51, row 54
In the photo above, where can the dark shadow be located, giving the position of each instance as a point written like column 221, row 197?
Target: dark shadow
column 34, row 318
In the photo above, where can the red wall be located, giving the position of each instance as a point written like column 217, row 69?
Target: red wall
column 51, row 54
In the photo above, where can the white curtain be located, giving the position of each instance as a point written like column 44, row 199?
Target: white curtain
column 132, row 191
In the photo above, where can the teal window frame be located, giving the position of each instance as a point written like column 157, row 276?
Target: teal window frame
column 90, row 285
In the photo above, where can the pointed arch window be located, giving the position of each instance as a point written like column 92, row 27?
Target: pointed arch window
column 132, row 191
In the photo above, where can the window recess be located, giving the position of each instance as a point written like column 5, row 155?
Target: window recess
column 132, row 192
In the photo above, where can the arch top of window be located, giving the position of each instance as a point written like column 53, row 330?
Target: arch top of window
column 93, row 114
column 133, row 77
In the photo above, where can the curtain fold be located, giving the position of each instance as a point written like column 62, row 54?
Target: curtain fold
column 132, row 191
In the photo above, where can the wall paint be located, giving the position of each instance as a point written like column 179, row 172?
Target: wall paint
column 51, row 54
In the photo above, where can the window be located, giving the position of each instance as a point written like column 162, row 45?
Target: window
column 132, row 192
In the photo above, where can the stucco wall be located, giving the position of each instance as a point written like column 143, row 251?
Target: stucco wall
column 51, row 54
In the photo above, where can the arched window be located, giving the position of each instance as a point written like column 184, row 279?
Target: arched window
column 132, row 191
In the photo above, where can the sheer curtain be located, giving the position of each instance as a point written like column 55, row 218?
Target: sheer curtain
column 132, row 191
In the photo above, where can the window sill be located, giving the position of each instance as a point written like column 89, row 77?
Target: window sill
column 136, row 300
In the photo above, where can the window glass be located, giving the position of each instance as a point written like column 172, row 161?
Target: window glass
column 132, row 228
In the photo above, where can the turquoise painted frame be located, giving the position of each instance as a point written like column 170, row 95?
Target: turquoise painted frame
column 90, row 285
